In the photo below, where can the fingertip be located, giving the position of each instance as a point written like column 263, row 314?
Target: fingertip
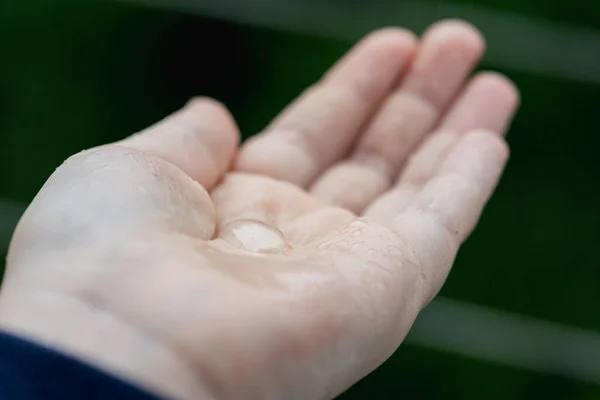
column 220, row 116
column 385, row 52
column 457, row 31
column 501, row 86
column 393, row 38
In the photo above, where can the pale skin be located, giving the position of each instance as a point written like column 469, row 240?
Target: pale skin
column 285, row 268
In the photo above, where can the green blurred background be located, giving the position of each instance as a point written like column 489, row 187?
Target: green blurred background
column 517, row 319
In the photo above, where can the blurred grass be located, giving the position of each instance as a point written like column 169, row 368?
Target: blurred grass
column 77, row 74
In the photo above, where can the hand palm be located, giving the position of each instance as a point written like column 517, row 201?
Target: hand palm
column 306, row 266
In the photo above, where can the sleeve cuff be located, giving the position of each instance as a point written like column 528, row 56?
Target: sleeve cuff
column 29, row 371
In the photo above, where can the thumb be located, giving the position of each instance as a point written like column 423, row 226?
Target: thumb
column 149, row 183
column 201, row 139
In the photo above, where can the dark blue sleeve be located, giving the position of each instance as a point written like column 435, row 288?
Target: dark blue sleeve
column 31, row 372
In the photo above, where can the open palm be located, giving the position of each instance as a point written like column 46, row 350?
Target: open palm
column 290, row 268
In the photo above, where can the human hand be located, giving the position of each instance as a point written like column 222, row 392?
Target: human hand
column 298, row 272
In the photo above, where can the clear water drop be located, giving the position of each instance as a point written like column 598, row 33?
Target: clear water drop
column 254, row 236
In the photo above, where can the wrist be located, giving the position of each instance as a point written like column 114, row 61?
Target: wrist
column 99, row 337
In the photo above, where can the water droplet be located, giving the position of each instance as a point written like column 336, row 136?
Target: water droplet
column 254, row 236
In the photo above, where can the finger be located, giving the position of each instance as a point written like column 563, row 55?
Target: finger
column 319, row 127
column 488, row 102
column 448, row 53
column 201, row 140
column 442, row 214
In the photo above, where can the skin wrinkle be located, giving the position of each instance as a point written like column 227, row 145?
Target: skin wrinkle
column 394, row 257
column 411, row 258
